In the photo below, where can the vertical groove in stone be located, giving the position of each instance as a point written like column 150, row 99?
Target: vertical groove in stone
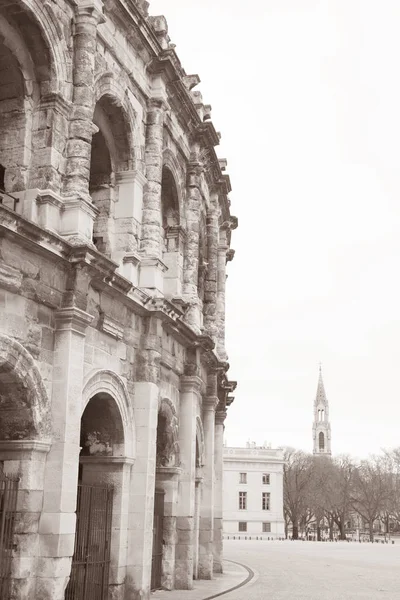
column 151, row 215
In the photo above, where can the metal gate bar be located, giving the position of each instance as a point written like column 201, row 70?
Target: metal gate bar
column 91, row 560
column 8, row 504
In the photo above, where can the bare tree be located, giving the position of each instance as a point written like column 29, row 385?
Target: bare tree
column 297, row 476
column 371, row 492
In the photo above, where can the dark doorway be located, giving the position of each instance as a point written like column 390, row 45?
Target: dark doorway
column 158, row 524
column 91, row 559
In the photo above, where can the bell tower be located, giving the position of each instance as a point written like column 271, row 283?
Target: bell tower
column 321, row 425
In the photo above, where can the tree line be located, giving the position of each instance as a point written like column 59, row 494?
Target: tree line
column 332, row 494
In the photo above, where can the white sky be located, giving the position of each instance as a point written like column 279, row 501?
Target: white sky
column 306, row 94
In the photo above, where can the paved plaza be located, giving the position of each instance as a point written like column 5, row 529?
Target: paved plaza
column 317, row 570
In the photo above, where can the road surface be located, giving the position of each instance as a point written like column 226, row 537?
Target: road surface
column 299, row 570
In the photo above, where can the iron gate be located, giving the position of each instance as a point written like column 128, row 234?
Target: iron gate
column 91, row 559
column 8, row 504
column 158, row 523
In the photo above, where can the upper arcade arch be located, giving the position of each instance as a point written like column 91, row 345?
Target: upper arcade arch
column 105, row 384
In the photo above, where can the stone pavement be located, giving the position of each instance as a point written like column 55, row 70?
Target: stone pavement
column 234, row 575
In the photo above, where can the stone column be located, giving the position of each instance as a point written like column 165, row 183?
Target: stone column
column 141, row 498
column 79, row 213
column 206, row 537
column 220, row 416
column 221, row 283
column 190, row 391
column 167, row 479
column 210, row 285
column 57, row 522
column 191, row 262
column 25, row 459
column 152, row 268
column 197, row 503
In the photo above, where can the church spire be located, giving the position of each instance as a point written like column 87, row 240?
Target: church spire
column 321, row 425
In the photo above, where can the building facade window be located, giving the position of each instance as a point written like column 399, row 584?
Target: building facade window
column 242, row 526
column 242, row 500
column 266, row 478
column 242, row 477
column 266, row 527
column 266, row 501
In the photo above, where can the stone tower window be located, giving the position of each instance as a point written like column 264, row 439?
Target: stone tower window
column 321, row 440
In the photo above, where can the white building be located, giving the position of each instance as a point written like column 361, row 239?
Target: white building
column 253, row 492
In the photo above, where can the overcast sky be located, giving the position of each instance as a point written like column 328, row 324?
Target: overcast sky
column 306, row 94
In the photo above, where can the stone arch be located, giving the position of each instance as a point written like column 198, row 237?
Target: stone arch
column 175, row 168
column 107, row 86
column 321, row 440
column 200, row 442
column 168, row 451
column 104, row 381
column 43, row 35
column 18, row 369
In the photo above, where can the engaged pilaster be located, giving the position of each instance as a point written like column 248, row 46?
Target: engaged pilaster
column 210, row 287
column 79, row 213
column 191, row 268
column 206, row 535
column 57, row 521
column 220, row 417
column 189, row 397
column 152, row 267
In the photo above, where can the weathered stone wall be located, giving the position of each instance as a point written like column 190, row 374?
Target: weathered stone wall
column 114, row 236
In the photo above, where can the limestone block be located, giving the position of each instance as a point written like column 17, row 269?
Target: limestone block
column 52, row 545
column 10, row 278
column 57, row 523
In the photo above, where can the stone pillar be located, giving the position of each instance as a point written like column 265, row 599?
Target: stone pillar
column 206, row 537
column 141, row 497
column 79, row 213
column 128, row 219
column 173, row 259
column 25, row 459
column 152, row 267
column 210, row 285
column 191, row 262
column 57, row 522
column 197, row 503
column 190, row 391
column 221, row 284
column 167, row 479
column 220, row 416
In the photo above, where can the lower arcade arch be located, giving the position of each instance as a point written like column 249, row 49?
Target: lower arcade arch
column 101, row 538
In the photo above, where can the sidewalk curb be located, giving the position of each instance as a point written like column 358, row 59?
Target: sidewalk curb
column 237, row 586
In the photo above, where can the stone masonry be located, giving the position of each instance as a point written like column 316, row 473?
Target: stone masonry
column 115, row 232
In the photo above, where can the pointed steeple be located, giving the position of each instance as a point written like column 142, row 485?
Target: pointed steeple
column 321, row 425
column 321, row 396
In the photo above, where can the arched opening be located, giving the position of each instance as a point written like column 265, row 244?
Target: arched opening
column 24, row 441
column 110, row 154
column 321, row 441
column 25, row 75
column 172, row 235
column 103, row 483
